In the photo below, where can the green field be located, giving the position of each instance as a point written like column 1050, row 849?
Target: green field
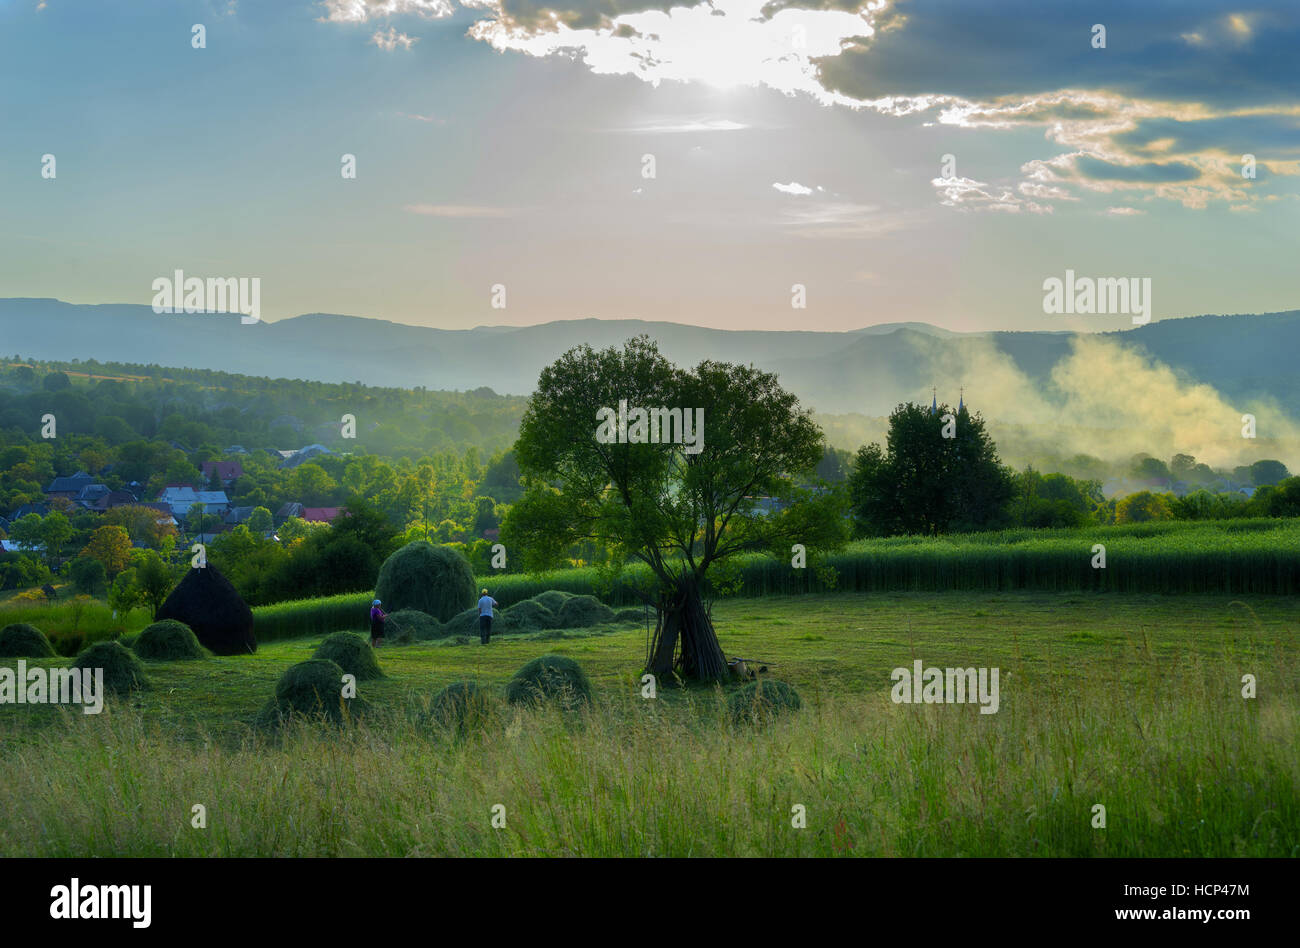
column 1129, row 701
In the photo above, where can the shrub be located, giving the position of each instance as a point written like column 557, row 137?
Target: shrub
column 350, row 652
column 206, row 602
column 552, row 599
column 312, row 688
column 21, row 640
column 436, row 580
column 411, row 625
column 462, row 705
column 168, row 641
column 550, row 678
column 579, row 612
column 123, row 672
column 763, row 700
column 527, row 616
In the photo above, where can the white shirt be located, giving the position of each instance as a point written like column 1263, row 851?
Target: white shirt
column 485, row 606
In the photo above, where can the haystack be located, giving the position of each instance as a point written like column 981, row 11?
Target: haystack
column 436, row 580
column 207, row 603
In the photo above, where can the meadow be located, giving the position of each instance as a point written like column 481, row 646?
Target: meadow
column 1133, row 702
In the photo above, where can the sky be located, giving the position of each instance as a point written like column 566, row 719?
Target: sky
column 900, row 160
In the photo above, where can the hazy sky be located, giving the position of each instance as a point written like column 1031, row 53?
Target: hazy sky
column 797, row 141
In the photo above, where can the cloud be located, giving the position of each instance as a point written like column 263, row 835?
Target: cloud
column 362, row 11
column 970, row 195
column 458, row 210
column 698, row 125
column 431, row 119
column 794, row 187
column 1124, row 211
column 392, row 39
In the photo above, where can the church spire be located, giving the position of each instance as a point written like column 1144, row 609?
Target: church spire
column 961, row 399
column 934, row 400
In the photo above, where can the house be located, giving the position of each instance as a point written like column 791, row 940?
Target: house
column 236, row 449
column 237, row 515
column 108, row 500
column 68, row 487
column 89, row 495
column 38, row 508
column 492, row 534
column 320, row 514
column 294, row 458
column 227, row 471
column 286, row 511
column 13, row 546
column 179, row 500
column 164, row 512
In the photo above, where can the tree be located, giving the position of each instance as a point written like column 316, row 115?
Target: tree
column 681, row 506
column 154, row 579
column 88, row 575
column 1141, row 507
column 260, row 521
column 111, row 545
column 923, row 482
column 1268, row 472
column 55, row 532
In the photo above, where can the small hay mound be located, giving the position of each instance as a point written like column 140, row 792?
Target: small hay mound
column 437, row 580
column 463, row 705
column 351, row 653
column 21, row 640
column 580, row 612
column 527, row 616
column 763, row 700
column 168, row 641
column 123, row 672
column 630, row 615
column 464, row 623
column 553, row 598
column 207, row 602
column 550, row 678
column 312, row 688
column 411, row 625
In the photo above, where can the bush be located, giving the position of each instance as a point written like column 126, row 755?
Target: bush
column 550, row 678
column 527, row 616
column 313, row 688
column 168, row 641
column 630, row 615
column 123, row 672
column 579, row 612
column 462, row 705
column 553, row 599
column 69, row 644
column 411, row 625
column 206, row 602
column 350, row 652
column 436, row 580
column 763, row 700
column 21, row 640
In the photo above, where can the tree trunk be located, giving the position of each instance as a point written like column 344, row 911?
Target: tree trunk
column 684, row 641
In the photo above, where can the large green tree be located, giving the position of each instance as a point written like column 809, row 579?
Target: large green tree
column 680, row 508
column 933, row 476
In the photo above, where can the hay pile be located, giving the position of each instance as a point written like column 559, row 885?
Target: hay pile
column 411, row 625
column 463, row 706
column 206, row 602
column 580, row 612
column 550, row 678
column 763, row 700
column 313, row 688
column 351, row 653
column 168, row 641
column 553, row 598
column 436, row 580
column 21, row 640
column 123, row 672
column 527, row 616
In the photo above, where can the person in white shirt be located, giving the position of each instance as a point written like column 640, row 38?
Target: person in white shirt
column 485, row 605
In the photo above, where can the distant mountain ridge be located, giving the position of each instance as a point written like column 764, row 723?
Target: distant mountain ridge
column 867, row 370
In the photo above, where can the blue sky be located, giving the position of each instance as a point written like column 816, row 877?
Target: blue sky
column 503, row 143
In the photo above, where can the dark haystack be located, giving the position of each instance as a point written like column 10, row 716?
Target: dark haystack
column 312, row 688
column 762, row 700
column 462, row 706
column 350, row 652
column 553, row 598
column 630, row 615
column 437, row 580
column 168, row 641
column 550, row 678
column 206, row 602
column 527, row 616
column 463, row 623
column 411, row 625
column 123, row 672
column 21, row 640
column 580, row 612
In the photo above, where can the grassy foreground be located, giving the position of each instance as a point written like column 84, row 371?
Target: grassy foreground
column 1130, row 702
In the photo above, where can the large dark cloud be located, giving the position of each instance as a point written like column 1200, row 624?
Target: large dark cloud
column 1180, row 50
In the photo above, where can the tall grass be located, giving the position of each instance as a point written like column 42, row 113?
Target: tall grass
column 72, row 624
column 1183, row 765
